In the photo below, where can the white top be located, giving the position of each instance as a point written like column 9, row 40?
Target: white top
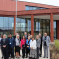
column 33, row 44
column 17, row 42
column 0, row 38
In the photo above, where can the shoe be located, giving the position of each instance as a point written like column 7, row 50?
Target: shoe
column 47, row 57
column 40, row 55
column 2, row 56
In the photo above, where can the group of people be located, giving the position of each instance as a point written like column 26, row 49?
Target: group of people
column 30, row 46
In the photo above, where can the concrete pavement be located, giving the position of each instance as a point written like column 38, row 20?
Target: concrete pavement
column 27, row 58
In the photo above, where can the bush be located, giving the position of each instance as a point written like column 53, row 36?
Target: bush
column 57, row 43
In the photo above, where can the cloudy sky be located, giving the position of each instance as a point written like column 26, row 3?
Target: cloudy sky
column 48, row 2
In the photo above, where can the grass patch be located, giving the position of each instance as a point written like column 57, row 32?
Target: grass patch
column 57, row 43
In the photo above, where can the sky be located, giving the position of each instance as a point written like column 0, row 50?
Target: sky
column 48, row 2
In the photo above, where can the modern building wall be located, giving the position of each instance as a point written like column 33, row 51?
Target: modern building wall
column 9, row 5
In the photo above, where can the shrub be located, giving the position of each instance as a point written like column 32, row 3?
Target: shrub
column 57, row 43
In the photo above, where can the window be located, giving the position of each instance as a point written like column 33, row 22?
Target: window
column 25, row 25
column 27, row 8
column 6, row 25
column 41, row 26
column 33, row 8
column 54, row 29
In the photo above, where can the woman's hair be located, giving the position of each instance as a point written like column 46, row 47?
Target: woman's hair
column 33, row 37
column 17, row 35
column 23, row 36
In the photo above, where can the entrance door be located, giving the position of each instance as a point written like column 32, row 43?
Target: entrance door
column 41, row 26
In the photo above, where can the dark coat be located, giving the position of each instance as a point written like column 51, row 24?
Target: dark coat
column 6, row 43
column 12, row 42
column 41, row 44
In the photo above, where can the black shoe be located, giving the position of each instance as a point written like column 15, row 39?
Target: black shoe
column 2, row 56
column 47, row 57
column 40, row 55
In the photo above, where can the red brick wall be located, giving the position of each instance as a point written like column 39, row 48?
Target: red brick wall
column 9, row 5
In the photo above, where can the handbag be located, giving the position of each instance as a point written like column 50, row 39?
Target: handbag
column 23, row 45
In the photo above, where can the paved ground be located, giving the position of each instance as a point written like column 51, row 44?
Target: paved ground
column 27, row 58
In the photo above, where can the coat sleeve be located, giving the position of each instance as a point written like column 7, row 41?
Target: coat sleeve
column 40, row 41
column 7, row 42
column 49, row 39
column 1, row 43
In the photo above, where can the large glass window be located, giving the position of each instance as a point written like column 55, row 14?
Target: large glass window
column 6, row 25
column 23, row 24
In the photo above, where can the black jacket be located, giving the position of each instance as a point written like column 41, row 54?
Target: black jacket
column 6, row 43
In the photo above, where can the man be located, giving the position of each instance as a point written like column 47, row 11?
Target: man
column 40, row 44
column 46, row 41
column 4, row 46
column 11, row 45
column 25, row 34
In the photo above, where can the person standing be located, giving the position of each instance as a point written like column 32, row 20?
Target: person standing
column 46, row 41
column 28, row 46
column 4, row 46
column 17, row 46
column 23, row 42
column 33, row 52
column 40, row 45
column 20, row 40
column 38, row 42
column 11, row 45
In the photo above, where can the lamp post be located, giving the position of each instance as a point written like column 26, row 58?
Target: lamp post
column 16, row 14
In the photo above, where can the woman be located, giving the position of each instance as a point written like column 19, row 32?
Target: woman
column 33, row 49
column 17, row 47
column 28, row 46
column 23, row 42
column 38, row 42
